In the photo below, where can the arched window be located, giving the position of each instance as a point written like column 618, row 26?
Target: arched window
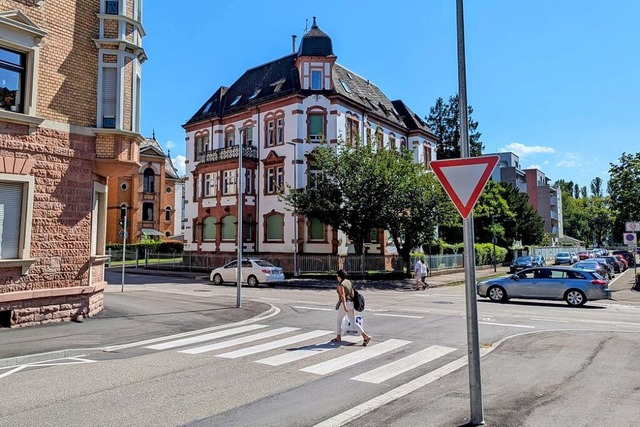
column 209, row 228
column 123, row 212
column 148, row 180
column 167, row 213
column 229, row 228
column 275, row 228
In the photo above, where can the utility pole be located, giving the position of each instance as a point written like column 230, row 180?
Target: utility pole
column 240, row 203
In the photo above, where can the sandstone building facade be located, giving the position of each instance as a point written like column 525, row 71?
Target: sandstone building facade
column 70, row 74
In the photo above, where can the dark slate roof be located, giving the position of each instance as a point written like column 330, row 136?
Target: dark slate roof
column 170, row 170
column 315, row 42
column 364, row 93
column 411, row 120
column 257, row 85
column 150, row 147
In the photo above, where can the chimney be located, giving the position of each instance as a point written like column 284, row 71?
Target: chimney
column 293, row 43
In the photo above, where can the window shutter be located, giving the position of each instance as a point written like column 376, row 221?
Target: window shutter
column 109, row 92
column 10, row 215
column 315, row 125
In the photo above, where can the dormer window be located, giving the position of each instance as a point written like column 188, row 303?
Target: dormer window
column 235, row 101
column 255, row 94
column 316, row 79
column 345, row 86
column 277, row 85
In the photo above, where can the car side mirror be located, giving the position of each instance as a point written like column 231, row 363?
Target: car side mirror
column 515, row 277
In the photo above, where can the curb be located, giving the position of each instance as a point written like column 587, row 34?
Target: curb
column 44, row 357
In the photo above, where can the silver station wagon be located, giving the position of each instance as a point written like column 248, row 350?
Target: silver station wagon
column 576, row 287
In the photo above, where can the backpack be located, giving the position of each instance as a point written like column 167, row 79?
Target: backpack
column 358, row 300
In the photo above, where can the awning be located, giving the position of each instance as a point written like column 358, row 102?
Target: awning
column 151, row 232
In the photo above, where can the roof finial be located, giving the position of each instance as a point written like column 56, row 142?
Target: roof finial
column 314, row 23
column 154, row 135
column 168, row 153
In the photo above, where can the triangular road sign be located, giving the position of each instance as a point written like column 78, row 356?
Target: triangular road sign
column 464, row 179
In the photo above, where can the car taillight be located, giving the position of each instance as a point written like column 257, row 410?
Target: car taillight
column 599, row 282
column 266, row 271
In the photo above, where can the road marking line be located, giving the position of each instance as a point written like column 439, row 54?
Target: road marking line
column 403, row 365
column 293, row 356
column 390, row 396
column 237, row 341
column 397, row 315
column 507, row 324
column 356, row 357
column 314, row 308
column 206, row 337
column 13, row 371
column 273, row 311
column 274, row 344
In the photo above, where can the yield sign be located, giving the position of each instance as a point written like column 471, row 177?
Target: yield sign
column 464, row 179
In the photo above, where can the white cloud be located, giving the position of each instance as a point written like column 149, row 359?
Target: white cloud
column 524, row 150
column 567, row 163
column 170, row 144
column 534, row 167
column 179, row 163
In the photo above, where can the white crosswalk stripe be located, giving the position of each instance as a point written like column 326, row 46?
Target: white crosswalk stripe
column 274, row 344
column 206, row 337
column 355, row 355
column 238, row 341
column 350, row 359
column 403, row 365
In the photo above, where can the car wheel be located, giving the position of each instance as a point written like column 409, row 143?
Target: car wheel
column 252, row 281
column 217, row 279
column 497, row 294
column 575, row 298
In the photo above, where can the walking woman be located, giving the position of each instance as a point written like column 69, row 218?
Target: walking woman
column 345, row 307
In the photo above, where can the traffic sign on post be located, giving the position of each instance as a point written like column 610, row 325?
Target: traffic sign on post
column 464, row 179
column 630, row 239
column 632, row 226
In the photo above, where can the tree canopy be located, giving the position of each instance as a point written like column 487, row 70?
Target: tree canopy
column 444, row 122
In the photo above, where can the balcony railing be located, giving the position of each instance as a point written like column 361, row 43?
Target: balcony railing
column 248, row 152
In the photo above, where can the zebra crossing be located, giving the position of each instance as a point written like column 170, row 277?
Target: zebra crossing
column 249, row 340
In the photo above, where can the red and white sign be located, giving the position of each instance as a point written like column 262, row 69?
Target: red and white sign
column 630, row 239
column 464, row 179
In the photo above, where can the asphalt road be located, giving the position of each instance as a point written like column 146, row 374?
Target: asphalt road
column 546, row 364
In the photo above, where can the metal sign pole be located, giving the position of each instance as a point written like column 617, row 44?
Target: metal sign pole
column 473, row 342
column 124, row 248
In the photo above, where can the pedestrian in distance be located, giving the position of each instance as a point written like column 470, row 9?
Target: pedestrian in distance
column 420, row 270
column 344, row 307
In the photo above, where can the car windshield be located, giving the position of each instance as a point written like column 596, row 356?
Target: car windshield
column 563, row 254
column 262, row 263
column 523, row 259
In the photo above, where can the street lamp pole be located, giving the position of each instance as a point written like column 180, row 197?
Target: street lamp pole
column 295, row 211
column 240, row 203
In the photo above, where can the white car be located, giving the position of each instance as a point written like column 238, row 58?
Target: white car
column 254, row 272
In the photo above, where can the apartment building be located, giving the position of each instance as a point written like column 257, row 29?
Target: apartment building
column 546, row 198
column 151, row 199
column 70, row 76
column 277, row 113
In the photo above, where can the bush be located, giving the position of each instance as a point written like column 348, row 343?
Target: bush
column 484, row 254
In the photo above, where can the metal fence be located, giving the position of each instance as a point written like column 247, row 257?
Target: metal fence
column 304, row 263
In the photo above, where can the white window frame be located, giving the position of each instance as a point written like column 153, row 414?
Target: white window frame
column 26, row 219
column 312, row 73
column 99, row 220
column 22, row 35
column 229, row 182
column 210, row 184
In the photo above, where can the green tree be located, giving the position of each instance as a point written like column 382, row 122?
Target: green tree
column 600, row 219
column 624, row 185
column 491, row 203
column 525, row 224
column 596, row 187
column 444, row 122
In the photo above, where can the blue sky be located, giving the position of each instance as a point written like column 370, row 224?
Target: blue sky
column 556, row 82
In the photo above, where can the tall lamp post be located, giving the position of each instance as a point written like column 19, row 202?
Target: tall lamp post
column 240, row 203
column 295, row 212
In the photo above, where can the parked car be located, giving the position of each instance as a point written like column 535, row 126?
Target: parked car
column 593, row 265
column 574, row 257
column 582, row 255
column 615, row 262
column 623, row 260
column 608, row 263
column 563, row 258
column 254, row 272
column 576, row 287
column 631, row 259
column 526, row 262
